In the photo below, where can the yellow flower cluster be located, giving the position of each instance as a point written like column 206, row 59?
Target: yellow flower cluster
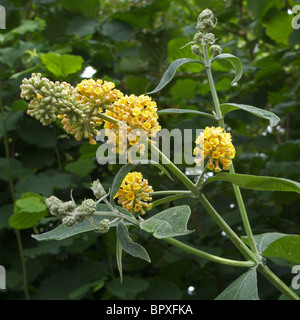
column 139, row 117
column 134, row 192
column 97, row 93
column 93, row 96
column 81, row 110
column 216, row 145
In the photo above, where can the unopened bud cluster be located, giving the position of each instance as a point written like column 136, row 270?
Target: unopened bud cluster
column 205, row 24
column 103, row 226
column 97, row 189
column 68, row 212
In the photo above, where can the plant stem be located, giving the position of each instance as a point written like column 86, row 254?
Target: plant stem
column 236, row 189
column 173, row 168
column 167, row 199
column 208, row 256
column 254, row 253
column 166, row 192
column 278, row 283
column 199, row 181
column 13, row 197
column 248, row 254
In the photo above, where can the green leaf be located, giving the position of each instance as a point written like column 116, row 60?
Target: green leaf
column 180, row 111
column 81, row 167
column 118, row 30
column 34, row 133
column 272, row 117
column 184, row 89
column 119, row 252
column 119, row 179
column 61, row 65
column 130, row 287
column 169, row 223
column 63, row 232
column 243, row 288
column 257, row 182
column 28, row 210
column 81, row 291
column 44, row 183
column 169, row 74
column 279, row 27
column 29, row 26
column 235, row 62
column 82, row 26
column 133, row 248
column 280, row 245
column 88, row 8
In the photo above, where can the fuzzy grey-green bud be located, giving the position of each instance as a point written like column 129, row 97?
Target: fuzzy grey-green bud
column 97, row 189
column 196, row 50
column 103, row 226
column 209, row 38
column 69, row 220
column 55, row 206
column 87, row 206
column 198, row 37
column 215, row 49
column 206, row 21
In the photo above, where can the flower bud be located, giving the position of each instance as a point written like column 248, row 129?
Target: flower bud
column 69, row 220
column 196, row 50
column 215, row 49
column 97, row 189
column 103, row 226
column 205, row 21
column 198, row 37
column 209, row 38
column 87, row 206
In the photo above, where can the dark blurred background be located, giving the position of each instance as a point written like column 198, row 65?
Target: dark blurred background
column 131, row 43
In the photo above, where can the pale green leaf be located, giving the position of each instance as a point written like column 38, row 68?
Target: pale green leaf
column 61, row 65
column 170, row 72
column 272, row 117
column 257, row 182
column 169, row 223
column 280, row 245
column 235, row 62
column 243, row 288
column 133, row 248
column 180, row 111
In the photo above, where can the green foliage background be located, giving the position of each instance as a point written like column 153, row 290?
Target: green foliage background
column 132, row 43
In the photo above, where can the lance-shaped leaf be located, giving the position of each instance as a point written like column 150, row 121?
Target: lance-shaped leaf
column 119, row 252
column 169, row 74
column 128, row 245
column 200, row 113
column 243, row 288
column 235, row 62
column 169, row 223
column 257, row 182
column 280, row 245
column 272, row 117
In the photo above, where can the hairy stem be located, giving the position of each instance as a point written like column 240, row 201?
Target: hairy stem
column 208, row 256
column 236, row 189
